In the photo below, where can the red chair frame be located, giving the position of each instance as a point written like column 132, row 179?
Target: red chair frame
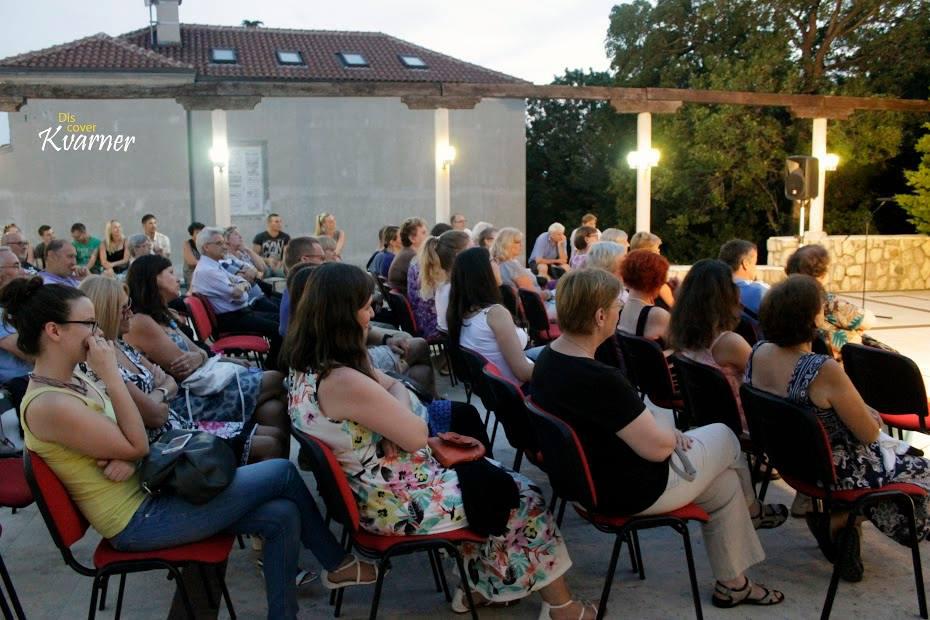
column 341, row 507
column 797, row 444
column 204, row 319
column 570, row 475
column 67, row 525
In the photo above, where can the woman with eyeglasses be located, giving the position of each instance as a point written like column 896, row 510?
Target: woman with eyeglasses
column 152, row 389
column 92, row 439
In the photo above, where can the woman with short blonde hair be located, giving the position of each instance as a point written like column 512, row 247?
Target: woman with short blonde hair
column 114, row 255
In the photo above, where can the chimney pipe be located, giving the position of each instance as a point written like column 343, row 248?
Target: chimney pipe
column 168, row 25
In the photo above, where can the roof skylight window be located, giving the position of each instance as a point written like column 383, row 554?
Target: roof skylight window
column 224, row 55
column 353, row 60
column 290, row 57
column 413, row 62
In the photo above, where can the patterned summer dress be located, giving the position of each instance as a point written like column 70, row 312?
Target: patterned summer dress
column 860, row 465
column 211, row 413
column 413, row 494
column 424, row 310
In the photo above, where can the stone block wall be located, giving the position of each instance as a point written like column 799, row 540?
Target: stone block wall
column 895, row 262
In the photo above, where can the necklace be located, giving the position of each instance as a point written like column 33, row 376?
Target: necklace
column 645, row 302
column 577, row 346
column 80, row 388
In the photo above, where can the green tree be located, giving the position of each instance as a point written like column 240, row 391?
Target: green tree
column 918, row 204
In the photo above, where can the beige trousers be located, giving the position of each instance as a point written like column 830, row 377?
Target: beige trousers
column 723, row 488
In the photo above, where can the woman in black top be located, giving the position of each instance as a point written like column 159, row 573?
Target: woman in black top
column 634, row 459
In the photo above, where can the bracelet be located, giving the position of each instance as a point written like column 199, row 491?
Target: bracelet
column 385, row 338
column 164, row 392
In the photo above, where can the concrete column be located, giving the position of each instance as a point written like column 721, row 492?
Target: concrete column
column 221, row 212
column 818, row 149
column 443, row 173
column 643, row 172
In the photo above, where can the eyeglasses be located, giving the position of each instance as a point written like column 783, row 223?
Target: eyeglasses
column 91, row 324
column 16, row 243
column 126, row 308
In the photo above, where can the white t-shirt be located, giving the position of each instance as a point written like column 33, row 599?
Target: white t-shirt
column 441, row 298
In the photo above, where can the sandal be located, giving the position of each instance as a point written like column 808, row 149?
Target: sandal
column 585, row 606
column 770, row 516
column 304, row 575
column 460, row 603
column 726, row 598
column 358, row 581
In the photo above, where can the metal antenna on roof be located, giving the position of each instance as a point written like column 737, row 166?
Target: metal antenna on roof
column 149, row 4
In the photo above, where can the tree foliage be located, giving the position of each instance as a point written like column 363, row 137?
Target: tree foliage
column 721, row 168
column 918, row 203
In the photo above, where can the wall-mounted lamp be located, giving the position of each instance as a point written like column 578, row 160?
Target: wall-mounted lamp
column 829, row 161
column 639, row 160
column 219, row 155
column 445, row 155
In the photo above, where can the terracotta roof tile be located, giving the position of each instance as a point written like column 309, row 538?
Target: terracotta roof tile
column 257, row 59
column 96, row 52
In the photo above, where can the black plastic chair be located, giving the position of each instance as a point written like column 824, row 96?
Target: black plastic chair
column 473, row 365
column 797, row 444
column 541, row 329
column 511, row 301
column 749, row 328
column 406, row 321
column 890, row 383
column 510, row 410
column 570, row 476
column 650, row 373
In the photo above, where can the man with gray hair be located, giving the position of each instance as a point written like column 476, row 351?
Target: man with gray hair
column 16, row 243
column 549, row 257
column 228, row 293
column 139, row 245
column 15, row 365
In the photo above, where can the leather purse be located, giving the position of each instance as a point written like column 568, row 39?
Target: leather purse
column 193, row 465
column 450, row 449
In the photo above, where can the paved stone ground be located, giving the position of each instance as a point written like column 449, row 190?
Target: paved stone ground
column 50, row 590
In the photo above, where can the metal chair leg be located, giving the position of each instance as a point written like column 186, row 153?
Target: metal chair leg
column 93, row 598
column 432, row 567
column 379, row 584
column 465, row 585
column 517, row 461
column 103, row 592
column 119, row 595
column 182, row 589
column 689, row 556
column 11, row 591
column 225, row 591
column 5, row 608
column 558, row 519
column 202, row 569
column 609, row 580
column 835, row 577
column 915, row 556
column 442, row 576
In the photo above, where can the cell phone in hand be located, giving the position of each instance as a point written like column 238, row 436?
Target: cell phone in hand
column 177, row 444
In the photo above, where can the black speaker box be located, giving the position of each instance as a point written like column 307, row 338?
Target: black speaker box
column 801, row 177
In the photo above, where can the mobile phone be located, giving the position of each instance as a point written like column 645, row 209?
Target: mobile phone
column 177, row 444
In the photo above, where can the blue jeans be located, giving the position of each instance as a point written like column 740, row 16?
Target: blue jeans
column 268, row 499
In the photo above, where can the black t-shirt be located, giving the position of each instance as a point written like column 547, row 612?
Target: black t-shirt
column 272, row 247
column 597, row 400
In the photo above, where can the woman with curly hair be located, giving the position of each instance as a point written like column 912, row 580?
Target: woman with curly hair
column 644, row 273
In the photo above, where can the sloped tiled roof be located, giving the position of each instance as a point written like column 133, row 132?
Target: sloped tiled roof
column 96, row 52
column 256, row 56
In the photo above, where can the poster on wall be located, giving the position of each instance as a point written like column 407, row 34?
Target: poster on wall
column 246, row 180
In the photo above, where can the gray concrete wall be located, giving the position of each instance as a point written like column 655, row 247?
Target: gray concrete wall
column 370, row 161
column 60, row 188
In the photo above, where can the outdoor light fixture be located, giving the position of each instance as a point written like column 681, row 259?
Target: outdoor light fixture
column 639, row 160
column 829, row 161
column 219, row 155
column 445, row 155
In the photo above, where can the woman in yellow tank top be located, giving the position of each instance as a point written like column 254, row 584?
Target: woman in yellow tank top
column 93, row 439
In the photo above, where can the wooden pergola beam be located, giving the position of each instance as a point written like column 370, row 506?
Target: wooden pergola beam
column 431, row 95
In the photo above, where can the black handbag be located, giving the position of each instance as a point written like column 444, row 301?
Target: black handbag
column 194, row 465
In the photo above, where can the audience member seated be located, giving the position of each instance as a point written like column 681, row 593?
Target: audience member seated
column 329, row 249
column 644, row 272
column 270, row 245
column 326, row 227
column 381, row 264
column 707, row 311
column 617, row 236
column 92, row 439
column 844, row 321
column 114, row 257
column 507, row 247
column 635, row 460
column 458, row 221
column 86, row 247
column 47, row 234
column 784, row 365
column 378, row 434
column 589, row 220
column 412, row 236
column 244, row 262
column 439, row 228
column 161, row 244
column 430, row 272
column 742, row 256
column 18, row 245
column 652, row 243
column 190, row 252
column 300, row 251
column 152, row 389
column 154, row 331
column 608, row 255
column 583, row 239
column 229, row 295
column 485, row 237
column 549, row 257
column 378, row 250
column 15, row 365
column 479, row 322
column 140, row 245
column 61, row 264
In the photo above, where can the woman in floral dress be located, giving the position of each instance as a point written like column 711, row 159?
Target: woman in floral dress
column 381, row 445
column 785, row 366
